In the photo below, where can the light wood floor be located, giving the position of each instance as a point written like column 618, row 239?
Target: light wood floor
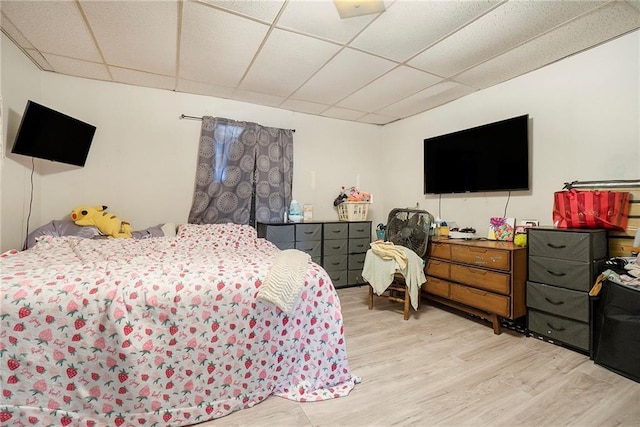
column 445, row 369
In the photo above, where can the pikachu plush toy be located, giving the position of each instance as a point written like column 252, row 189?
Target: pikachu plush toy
column 108, row 224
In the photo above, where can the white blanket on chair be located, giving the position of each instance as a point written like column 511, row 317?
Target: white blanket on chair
column 379, row 273
column 387, row 250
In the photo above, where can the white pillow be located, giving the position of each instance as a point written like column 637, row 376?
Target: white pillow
column 169, row 229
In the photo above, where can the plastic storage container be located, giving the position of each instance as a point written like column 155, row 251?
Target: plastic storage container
column 295, row 212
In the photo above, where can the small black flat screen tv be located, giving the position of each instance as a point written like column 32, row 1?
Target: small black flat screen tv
column 491, row 157
column 48, row 134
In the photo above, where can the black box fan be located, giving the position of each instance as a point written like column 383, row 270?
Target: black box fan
column 410, row 228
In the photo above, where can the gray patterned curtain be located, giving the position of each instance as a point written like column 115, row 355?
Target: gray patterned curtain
column 244, row 174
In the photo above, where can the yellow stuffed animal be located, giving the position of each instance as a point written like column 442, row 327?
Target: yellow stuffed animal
column 109, row 225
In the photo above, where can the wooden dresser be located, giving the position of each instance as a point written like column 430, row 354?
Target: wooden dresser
column 480, row 277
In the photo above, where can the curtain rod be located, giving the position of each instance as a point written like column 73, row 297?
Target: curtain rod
column 184, row 116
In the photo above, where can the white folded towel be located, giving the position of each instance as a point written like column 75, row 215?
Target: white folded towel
column 283, row 284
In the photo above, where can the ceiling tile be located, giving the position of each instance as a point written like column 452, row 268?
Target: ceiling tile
column 320, row 18
column 303, row 106
column 140, row 78
column 133, row 35
column 209, row 48
column 11, row 31
column 298, row 54
column 76, row 67
column 407, row 27
column 286, row 61
column 257, row 98
column 377, row 119
column 429, row 98
column 503, row 28
column 603, row 24
column 55, row 27
column 260, row 9
column 393, row 86
column 342, row 113
column 39, row 59
column 191, row 86
column 347, row 72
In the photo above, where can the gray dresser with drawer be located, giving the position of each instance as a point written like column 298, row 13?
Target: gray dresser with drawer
column 563, row 265
column 338, row 246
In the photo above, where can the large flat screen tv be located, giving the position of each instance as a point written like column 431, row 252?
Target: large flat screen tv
column 48, row 134
column 491, row 157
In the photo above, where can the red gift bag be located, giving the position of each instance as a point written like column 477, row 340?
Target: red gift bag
column 591, row 209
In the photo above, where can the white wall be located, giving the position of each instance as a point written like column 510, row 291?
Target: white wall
column 142, row 160
column 584, row 112
column 585, row 125
column 20, row 81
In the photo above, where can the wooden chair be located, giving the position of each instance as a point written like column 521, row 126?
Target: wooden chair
column 409, row 228
column 396, row 292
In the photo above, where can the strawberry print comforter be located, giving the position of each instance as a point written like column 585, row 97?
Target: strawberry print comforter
column 159, row 332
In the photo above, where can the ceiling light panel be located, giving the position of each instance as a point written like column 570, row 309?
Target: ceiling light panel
column 55, row 27
column 408, row 26
column 133, row 35
column 502, row 29
column 209, row 48
column 286, row 61
column 393, row 86
column 607, row 22
column 320, row 18
column 348, row 71
column 354, row 8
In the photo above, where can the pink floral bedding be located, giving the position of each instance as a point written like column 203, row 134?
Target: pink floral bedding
column 159, row 331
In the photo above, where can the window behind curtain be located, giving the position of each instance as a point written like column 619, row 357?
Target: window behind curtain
column 244, row 173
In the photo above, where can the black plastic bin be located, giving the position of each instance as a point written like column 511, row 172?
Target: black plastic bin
column 616, row 332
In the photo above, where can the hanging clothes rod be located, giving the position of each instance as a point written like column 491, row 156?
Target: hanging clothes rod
column 184, row 116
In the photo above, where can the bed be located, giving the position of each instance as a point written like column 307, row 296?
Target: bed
column 160, row 331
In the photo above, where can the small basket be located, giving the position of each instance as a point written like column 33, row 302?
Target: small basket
column 353, row 211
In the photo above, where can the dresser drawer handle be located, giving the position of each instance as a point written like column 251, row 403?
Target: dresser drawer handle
column 554, row 302
column 476, row 271
column 335, row 231
column 308, row 232
column 335, row 247
column 554, row 328
column 477, row 292
column 479, row 250
column 551, row 245
column 556, row 274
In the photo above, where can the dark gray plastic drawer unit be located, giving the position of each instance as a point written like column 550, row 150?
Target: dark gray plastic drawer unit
column 563, row 265
column 338, row 246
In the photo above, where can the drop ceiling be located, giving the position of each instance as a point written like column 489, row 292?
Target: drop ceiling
column 301, row 56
